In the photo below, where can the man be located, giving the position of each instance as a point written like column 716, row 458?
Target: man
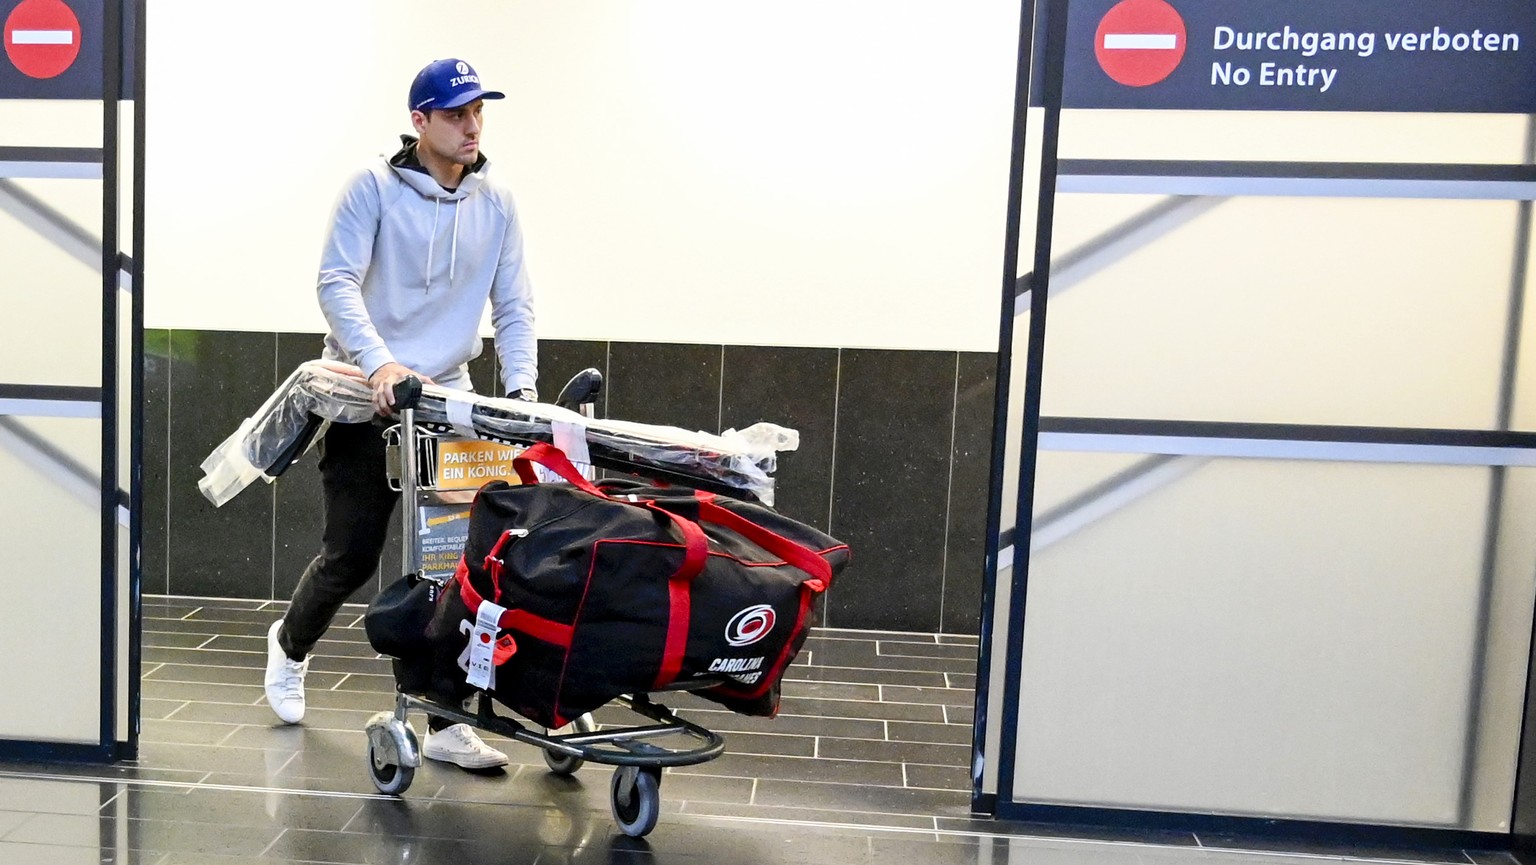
column 418, row 245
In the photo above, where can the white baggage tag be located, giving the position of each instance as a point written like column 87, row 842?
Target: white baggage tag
column 482, row 646
column 461, row 410
column 571, row 438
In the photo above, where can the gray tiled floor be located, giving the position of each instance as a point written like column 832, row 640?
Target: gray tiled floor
column 865, row 764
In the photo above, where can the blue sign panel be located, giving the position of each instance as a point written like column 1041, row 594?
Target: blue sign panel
column 53, row 49
column 1303, row 55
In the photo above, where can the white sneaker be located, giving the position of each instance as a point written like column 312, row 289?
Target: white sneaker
column 463, row 747
column 285, row 679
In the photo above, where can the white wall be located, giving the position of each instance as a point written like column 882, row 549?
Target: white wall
column 811, row 172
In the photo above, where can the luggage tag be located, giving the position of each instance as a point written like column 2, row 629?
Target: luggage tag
column 482, row 646
column 571, row 438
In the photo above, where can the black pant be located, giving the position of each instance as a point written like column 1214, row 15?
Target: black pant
column 358, row 507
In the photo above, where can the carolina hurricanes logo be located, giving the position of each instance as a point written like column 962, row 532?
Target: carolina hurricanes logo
column 749, row 625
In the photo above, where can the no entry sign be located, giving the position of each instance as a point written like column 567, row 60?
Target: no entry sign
column 42, row 38
column 53, row 49
column 1459, row 56
column 1140, row 42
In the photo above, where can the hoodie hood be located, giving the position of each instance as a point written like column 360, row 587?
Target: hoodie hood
column 407, row 165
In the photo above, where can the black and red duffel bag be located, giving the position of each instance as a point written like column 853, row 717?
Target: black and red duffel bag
column 619, row 588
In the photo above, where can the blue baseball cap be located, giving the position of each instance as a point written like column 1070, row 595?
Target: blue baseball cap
column 447, row 83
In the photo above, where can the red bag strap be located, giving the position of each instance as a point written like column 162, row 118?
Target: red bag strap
column 679, row 584
column 680, row 595
column 544, row 629
column 554, row 459
column 790, row 551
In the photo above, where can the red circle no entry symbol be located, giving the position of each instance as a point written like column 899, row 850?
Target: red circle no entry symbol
column 1140, row 42
column 42, row 38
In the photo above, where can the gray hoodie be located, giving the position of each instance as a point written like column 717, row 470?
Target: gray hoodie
column 408, row 268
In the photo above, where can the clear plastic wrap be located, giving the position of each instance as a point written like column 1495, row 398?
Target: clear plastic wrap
column 268, row 442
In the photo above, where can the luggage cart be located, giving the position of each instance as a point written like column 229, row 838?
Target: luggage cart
column 638, row 760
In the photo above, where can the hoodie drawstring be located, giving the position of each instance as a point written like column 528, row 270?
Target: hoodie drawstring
column 453, row 252
column 432, row 241
column 453, row 255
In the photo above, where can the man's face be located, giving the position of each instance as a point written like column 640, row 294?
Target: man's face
column 451, row 133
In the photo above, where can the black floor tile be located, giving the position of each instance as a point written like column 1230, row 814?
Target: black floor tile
column 339, row 643
column 964, row 681
column 1110, row 834
column 1310, row 848
column 845, row 675
column 951, row 851
column 859, row 709
column 894, row 752
column 800, row 769
column 207, row 859
column 728, row 723
column 367, row 848
column 240, row 695
column 864, row 654
column 261, row 616
column 772, row 745
column 799, row 689
column 173, row 731
column 359, row 701
column 251, row 674
column 53, row 797
column 323, row 719
column 152, row 709
column 938, row 777
column 863, row 797
column 910, row 649
column 807, row 814
column 237, row 808
column 939, row 733
column 161, row 835
column 214, row 757
column 935, row 696
column 172, row 640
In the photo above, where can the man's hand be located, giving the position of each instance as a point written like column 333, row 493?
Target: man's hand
column 383, row 383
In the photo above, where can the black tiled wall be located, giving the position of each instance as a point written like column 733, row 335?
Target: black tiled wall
column 893, row 458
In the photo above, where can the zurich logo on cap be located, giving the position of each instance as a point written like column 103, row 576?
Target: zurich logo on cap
column 447, row 84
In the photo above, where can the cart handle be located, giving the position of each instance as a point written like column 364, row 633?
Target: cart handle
column 582, row 389
column 407, row 393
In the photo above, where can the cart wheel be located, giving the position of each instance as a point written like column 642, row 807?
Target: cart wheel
column 636, row 799
column 563, row 764
column 567, row 764
column 388, row 776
